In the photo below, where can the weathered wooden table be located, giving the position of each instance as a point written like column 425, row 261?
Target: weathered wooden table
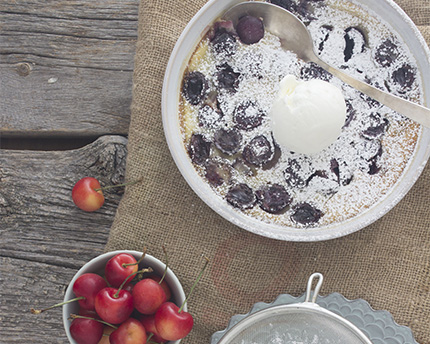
column 65, row 93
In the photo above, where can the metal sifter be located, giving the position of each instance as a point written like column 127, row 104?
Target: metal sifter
column 299, row 323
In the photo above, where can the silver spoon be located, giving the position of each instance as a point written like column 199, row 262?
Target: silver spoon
column 295, row 37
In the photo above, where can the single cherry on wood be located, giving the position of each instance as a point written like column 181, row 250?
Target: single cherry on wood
column 87, row 194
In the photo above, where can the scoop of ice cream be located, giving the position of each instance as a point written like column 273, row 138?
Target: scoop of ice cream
column 307, row 116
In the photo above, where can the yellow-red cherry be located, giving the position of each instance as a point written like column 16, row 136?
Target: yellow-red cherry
column 171, row 323
column 87, row 194
column 129, row 332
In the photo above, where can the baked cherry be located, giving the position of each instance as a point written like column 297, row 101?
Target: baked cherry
column 250, row 29
column 258, row 151
column 226, row 78
column 355, row 42
column 324, row 34
column 224, row 41
column 194, row 87
column 404, row 77
column 273, row 198
column 199, row 149
column 248, row 115
column 386, row 53
column 289, row 5
column 228, row 140
column 292, row 174
column 377, row 126
column 312, row 71
column 306, row 214
column 241, row 196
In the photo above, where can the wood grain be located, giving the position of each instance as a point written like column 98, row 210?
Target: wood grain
column 44, row 238
column 66, row 67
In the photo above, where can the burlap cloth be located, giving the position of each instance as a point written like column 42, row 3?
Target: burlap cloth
column 387, row 264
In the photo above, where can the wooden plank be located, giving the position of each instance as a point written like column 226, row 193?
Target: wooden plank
column 44, row 238
column 66, row 67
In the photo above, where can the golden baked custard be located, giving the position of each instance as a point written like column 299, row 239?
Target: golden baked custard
column 229, row 86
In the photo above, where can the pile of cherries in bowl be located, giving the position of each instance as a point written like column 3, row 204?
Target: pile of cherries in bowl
column 125, row 297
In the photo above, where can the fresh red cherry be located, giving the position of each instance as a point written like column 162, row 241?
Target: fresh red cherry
column 88, row 285
column 86, row 331
column 114, row 305
column 148, row 321
column 148, row 295
column 163, row 284
column 171, row 323
column 129, row 332
column 119, row 268
column 87, row 194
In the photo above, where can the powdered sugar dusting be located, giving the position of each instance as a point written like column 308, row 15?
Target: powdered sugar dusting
column 374, row 147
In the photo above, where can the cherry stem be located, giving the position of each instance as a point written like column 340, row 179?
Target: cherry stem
column 148, row 340
column 38, row 311
column 75, row 316
column 195, row 283
column 138, row 262
column 116, row 295
column 167, row 264
column 118, row 185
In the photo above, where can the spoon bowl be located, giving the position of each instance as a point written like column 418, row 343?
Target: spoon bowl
column 295, row 37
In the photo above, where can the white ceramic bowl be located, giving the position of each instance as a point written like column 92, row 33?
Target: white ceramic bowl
column 181, row 53
column 97, row 265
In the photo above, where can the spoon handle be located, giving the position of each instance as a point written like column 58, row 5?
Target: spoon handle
column 416, row 112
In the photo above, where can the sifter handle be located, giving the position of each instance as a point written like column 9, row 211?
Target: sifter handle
column 317, row 288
